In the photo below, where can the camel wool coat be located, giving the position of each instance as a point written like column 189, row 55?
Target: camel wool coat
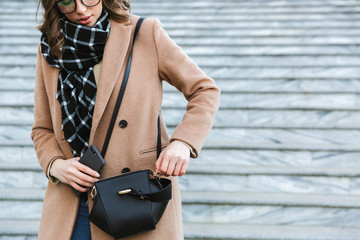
column 155, row 58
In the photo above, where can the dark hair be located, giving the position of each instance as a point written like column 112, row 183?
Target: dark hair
column 50, row 22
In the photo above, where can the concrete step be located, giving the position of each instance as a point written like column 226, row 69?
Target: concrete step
column 218, row 231
column 285, row 136
column 264, row 40
column 17, row 154
column 308, row 180
column 242, row 118
column 249, row 3
column 271, row 179
column 286, row 119
column 220, row 169
column 28, row 176
column 20, row 116
column 340, row 137
column 17, row 237
column 236, row 117
column 246, row 212
column 252, row 101
column 323, row 17
column 235, row 145
column 235, row 85
column 223, row 198
column 275, row 86
column 228, row 51
column 211, row 3
column 218, row 41
column 238, row 10
column 243, row 25
column 223, row 9
column 293, row 101
column 271, row 85
column 270, row 50
column 229, row 73
column 200, row 33
column 216, row 198
column 278, row 158
column 220, row 25
column 18, row 229
column 234, row 157
column 10, row 61
column 27, row 230
column 266, row 61
column 213, row 207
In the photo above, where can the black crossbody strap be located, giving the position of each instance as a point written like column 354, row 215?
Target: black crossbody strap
column 158, row 145
column 122, row 91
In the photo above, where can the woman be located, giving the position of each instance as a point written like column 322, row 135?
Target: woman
column 81, row 61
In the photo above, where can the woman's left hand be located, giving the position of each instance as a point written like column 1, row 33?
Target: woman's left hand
column 174, row 159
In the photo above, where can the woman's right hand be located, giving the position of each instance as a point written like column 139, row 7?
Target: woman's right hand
column 72, row 172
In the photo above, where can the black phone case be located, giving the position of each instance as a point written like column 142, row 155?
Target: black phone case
column 93, row 159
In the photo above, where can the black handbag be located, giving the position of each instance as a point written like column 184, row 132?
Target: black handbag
column 133, row 202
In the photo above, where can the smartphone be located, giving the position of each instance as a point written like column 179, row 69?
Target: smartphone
column 93, row 159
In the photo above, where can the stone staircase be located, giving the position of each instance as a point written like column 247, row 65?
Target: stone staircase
column 283, row 159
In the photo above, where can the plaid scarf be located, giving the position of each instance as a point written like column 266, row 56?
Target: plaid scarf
column 83, row 48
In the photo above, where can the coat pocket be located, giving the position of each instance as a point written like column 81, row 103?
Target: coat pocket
column 152, row 150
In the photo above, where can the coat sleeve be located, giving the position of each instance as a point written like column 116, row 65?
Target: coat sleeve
column 42, row 134
column 200, row 91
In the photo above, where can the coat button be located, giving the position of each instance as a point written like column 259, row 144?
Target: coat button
column 125, row 170
column 123, row 123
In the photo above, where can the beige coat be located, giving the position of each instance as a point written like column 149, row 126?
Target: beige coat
column 156, row 57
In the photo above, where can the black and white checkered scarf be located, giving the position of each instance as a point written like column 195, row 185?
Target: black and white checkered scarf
column 83, row 48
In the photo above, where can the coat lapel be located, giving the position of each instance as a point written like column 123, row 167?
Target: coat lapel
column 115, row 52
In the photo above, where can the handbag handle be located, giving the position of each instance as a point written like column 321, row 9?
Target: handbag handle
column 121, row 95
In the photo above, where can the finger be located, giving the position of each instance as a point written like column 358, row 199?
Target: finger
column 83, row 183
column 158, row 162
column 164, row 164
column 82, row 176
column 184, row 168
column 177, row 169
column 79, row 188
column 171, row 166
column 85, row 169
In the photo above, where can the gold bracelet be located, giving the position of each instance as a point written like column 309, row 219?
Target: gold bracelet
column 52, row 179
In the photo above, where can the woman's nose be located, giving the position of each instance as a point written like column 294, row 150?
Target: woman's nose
column 80, row 7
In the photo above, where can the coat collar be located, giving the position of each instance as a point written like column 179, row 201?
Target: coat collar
column 116, row 49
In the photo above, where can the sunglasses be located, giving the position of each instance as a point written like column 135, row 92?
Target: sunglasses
column 69, row 6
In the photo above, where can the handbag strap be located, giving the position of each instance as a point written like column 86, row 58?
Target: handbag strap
column 121, row 95
column 158, row 145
